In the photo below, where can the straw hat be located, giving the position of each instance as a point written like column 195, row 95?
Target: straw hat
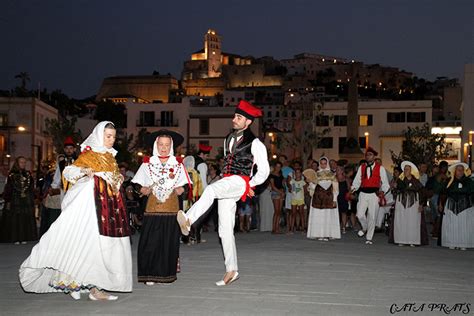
column 414, row 169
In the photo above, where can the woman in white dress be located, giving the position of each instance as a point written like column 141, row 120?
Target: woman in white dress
column 323, row 221
column 409, row 227
column 457, row 228
column 88, row 247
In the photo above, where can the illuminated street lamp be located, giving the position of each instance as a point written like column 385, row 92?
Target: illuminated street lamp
column 366, row 140
column 469, row 156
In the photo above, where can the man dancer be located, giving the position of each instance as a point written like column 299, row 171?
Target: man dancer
column 242, row 150
column 371, row 179
column 59, row 184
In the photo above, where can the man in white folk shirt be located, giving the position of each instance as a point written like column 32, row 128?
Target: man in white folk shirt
column 371, row 179
column 242, row 150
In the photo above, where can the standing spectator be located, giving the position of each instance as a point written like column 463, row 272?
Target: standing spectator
column 278, row 194
column 287, row 173
column 214, row 176
column 344, row 198
column 18, row 219
column 434, row 187
column 423, row 174
column 298, row 188
column 50, row 204
column 266, row 207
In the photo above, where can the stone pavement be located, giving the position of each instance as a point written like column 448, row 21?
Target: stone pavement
column 280, row 275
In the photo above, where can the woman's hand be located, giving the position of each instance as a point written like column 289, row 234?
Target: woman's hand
column 251, row 192
column 145, row 190
column 179, row 190
column 88, row 172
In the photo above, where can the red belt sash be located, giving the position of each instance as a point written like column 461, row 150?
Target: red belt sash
column 247, row 184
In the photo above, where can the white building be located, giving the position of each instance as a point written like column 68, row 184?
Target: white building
column 198, row 119
column 384, row 121
column 22, row 130
column 467, row 110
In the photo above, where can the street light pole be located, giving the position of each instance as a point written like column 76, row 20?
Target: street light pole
column 469, row 155
column 366, row 140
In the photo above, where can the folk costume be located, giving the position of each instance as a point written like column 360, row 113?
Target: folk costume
column 242, row 150
column 323, row 219
column 18, row 219
column 409, row 227
column 457, row 228
column 88, row 246
column 371, row 179
column 158, row 248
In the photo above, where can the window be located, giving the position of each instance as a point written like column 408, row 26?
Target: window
column 204, row 127
column 322, row 120
column 343, row 141
column 416, row 117
column 365, row 120
column 325, row 142
column 277, row 114
column 340, row 120
column 396, row 117
column 269, row 114
column 166, row 118
column 3, row 119
column 147, row 118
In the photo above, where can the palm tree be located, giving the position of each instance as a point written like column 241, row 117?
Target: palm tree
column 24, row 77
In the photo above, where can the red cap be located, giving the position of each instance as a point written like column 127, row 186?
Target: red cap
column 205, row 148
column 248, row 110
column 371, row 150
column 69, row 141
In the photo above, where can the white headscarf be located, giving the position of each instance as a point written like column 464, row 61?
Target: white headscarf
column 324, row 183
column 189, row 162
column 155, row 159
column 327, row 160
column 96, row 139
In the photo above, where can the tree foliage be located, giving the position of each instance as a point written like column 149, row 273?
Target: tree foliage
column 61, row 128
column 421, row 146
column 109, row 111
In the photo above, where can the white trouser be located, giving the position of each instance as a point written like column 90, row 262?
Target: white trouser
column 228, row 191
column 368, row 202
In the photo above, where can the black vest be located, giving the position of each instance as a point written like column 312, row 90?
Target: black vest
column 240, row 161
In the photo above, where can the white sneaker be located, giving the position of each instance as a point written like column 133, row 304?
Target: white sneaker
column 368, row 242
column 150, row 283
column 462, row 248
column 360, row 233
column 401, row 245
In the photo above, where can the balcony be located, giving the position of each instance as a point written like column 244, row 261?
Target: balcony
column 157, row 123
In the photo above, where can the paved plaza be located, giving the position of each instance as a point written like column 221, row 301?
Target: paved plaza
column 280, row 275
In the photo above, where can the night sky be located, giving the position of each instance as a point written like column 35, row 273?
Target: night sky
column 73, row 45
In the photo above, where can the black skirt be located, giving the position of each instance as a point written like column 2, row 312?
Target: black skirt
column 158, row 248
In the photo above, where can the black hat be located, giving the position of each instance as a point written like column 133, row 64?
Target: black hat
column 178, row 139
